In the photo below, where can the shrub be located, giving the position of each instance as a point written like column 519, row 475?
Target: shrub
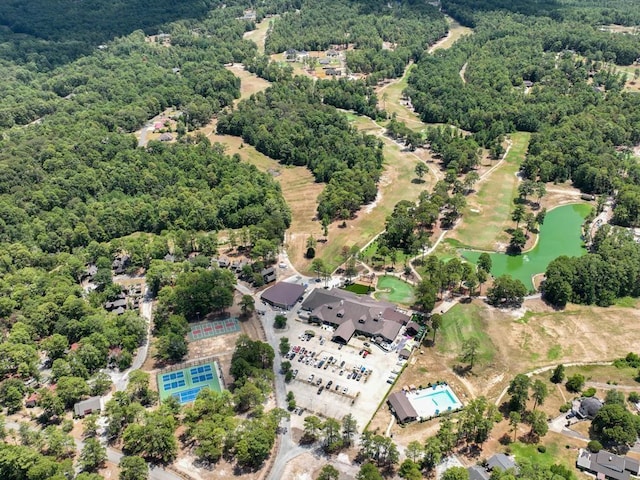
column 634, row 397
column 542, row 448
column 594, row 446
column 564, row 408
column 589, row 392
column 575, row 383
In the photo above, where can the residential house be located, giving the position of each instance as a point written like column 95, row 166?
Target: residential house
column 85, row 407
column 268, row 274
column 586, row 408
column 606, row 465
column 120, row 264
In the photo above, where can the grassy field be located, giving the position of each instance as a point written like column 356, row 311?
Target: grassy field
column 488, row 212
column 259, row 35
column 461, row 323
column 398, row 291
column 396, row 184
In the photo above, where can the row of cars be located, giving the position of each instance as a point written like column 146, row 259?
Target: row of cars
column 318, row 382
column 396, row 371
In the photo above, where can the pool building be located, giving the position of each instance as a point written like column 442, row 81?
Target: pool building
column 423, row 403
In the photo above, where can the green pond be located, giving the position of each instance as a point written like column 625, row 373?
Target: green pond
column 559, row 235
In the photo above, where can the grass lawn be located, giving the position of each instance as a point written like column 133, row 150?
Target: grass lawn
column 607, row 374
column 556, row 452
column 372, row 250
column 488, row 211
column 358, row 288
column 398, row 291
column 461, row 323
column 627, row 302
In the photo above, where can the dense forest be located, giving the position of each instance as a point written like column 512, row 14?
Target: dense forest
column 546, row 73
column 289, row 123
column 407, row 28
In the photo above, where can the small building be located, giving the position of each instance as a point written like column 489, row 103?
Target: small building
column 402, row 408
column 527, row 83
column 291, row 55
column 478, row 473
column 332, row 53
column 120, row 303
column 324, row 61
column 249, row 15
column 607, row 465
column 332, row 72
column 503, row 462
column 85, row 407
column 412, row 328
column 166, row 137
column 120, row 264
column 586, row 408
column 268, row 274
column 169, row 258
column 302, row 54
column 223, row 262
column 404, row 354
column 283, row 295
column 32, row 400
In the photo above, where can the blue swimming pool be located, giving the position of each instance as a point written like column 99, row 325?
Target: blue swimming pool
column 432, row 401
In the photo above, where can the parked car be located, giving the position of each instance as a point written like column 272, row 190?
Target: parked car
column 364, row 355
column 345, row 390
column 337, row 387
column 329, row 383
column 319, row 381
column 320, row 390
column 342, row 364
column 311, row 377
column 295, row 373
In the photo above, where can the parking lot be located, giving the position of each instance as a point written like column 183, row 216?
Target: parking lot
column 356, row 381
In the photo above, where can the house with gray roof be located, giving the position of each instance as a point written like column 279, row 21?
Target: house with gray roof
column 607, row 465
column 478, row 473
column 503, row 462
column 586, row 408
column 85, row 407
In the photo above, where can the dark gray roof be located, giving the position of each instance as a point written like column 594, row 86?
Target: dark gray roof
column 478, row 473
column 608, row 464
column 283, row 294
column 589, row 407
column 500, row 460
column 401, row 406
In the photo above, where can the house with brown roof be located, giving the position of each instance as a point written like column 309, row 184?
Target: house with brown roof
column 401, row 407
column 283, row 295
column 350, row 314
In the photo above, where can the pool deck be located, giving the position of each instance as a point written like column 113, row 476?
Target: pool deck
column 433, row 401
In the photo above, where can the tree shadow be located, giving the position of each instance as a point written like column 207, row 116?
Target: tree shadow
column 462, row 370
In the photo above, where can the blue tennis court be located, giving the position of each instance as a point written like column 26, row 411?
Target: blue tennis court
column 185, row 384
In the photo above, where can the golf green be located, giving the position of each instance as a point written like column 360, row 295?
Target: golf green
column 561, row 234
column 394, row 290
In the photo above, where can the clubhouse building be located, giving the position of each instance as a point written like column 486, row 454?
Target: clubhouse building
column 353, row 314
